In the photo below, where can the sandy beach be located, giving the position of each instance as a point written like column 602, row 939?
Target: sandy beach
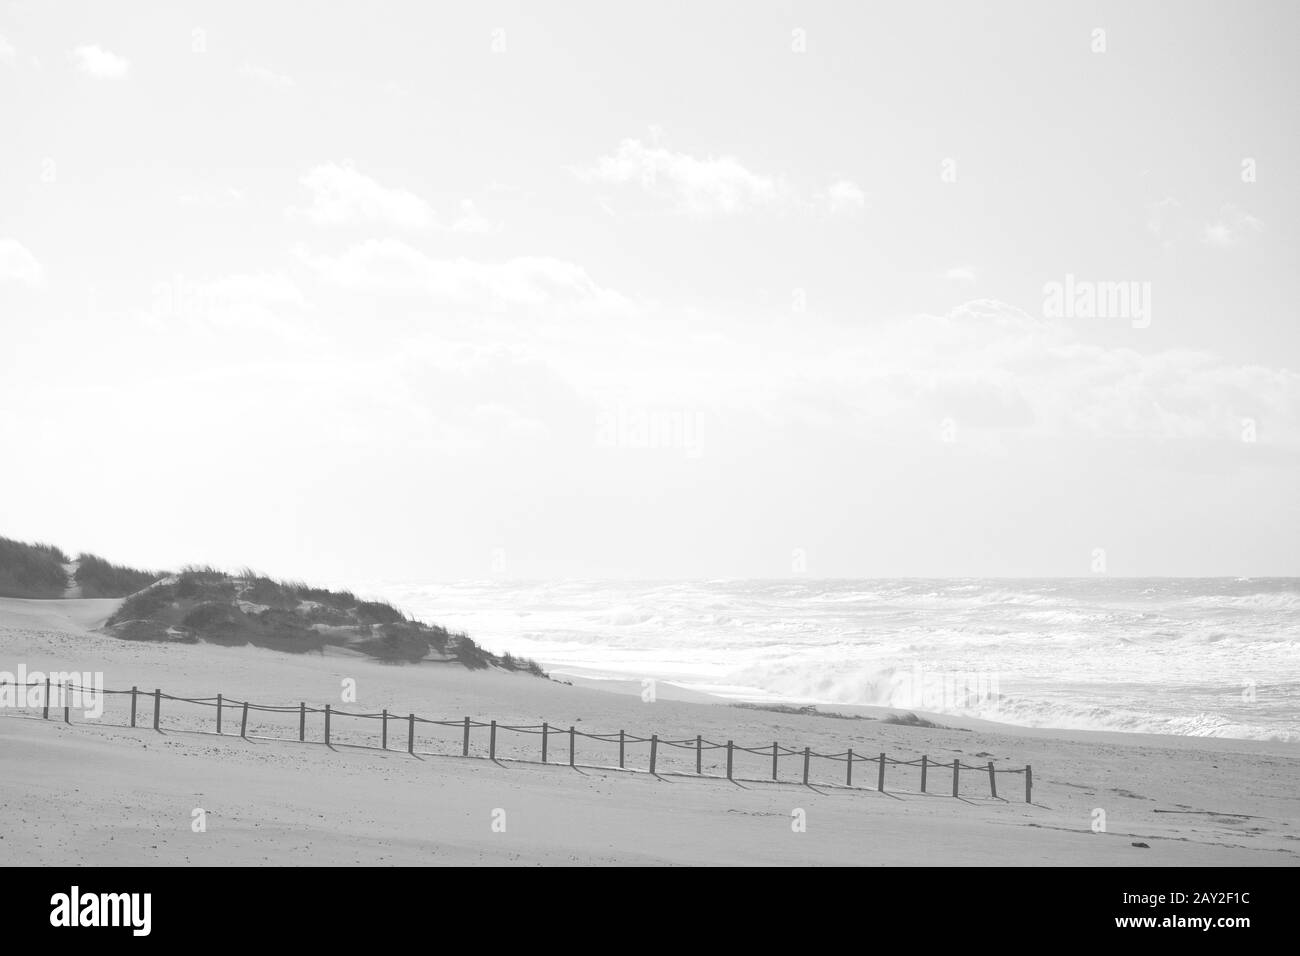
column 99, row 791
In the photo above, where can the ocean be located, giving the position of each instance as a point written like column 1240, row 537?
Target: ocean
column 1194, row 656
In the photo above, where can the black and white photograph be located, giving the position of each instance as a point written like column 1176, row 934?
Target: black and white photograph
column 601, row 435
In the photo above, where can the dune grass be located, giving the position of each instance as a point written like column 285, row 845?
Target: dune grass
column 204, row 603
column 31, row 570
column 98, row 578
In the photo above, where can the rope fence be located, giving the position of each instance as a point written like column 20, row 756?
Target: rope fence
column 691, row 755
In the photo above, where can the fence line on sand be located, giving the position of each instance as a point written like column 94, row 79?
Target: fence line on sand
column 698, row 743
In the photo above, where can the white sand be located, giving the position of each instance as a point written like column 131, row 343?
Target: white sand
column 103, row 793
column 73, row 589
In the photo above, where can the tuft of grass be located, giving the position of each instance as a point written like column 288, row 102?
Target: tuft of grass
column 910, row 719
column 807, row 710
column 379, row 612
column 31, row 570
column 141, row 606
column 98, row 578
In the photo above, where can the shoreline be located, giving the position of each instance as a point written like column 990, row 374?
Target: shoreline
column 1188, row 800
column 88, row 614
column 630, row 687
column 1162, row 656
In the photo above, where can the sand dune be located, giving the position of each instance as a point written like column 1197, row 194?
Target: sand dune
column 105, row 793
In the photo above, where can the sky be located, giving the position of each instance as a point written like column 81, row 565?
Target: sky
column 681, row 290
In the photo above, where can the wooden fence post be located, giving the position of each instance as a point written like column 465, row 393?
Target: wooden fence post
column 464, row 746
column 134, row 691
column 729, row 749
column 848, row 777
column 157, row 706
column 993, row 782
column 654, row 751
column 774, row 749
column 805, row 766
column 622, row 747
column 880, row 780
column 925, row 765
column 45, row 713
column 545, row 731
column 1029, row 783
column 302, row 721
column 699, row 753
column 67, row 703
column 573, row 740
column 383, row 736
column 492, row 742
column 218, row 714
column 243, row 721
column 327, row 725
column 956, row 772
column 410, row 734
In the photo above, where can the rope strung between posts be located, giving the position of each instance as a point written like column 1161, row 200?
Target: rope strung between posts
column 775, row 751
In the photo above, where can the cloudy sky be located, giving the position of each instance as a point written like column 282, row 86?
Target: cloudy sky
column 672, row 290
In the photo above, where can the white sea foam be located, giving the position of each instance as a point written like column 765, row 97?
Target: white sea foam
column 1203, row 657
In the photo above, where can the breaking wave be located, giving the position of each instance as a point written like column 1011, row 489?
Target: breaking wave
column 1199, row 657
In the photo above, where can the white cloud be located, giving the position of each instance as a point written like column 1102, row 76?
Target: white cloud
column 392, row 266
column 266, row 76
column 7, row 50
column 342, row 196
column 1002, row 375
column 94, row 60
column 961, row 274
column 845, row 196
column 260, row 303
column 19, row 265
column 1233, row 224
column 471, row 220
column 1171, row 223
column 995, row 370
column 713, row 186
column 989, row 365
column 699, row 187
